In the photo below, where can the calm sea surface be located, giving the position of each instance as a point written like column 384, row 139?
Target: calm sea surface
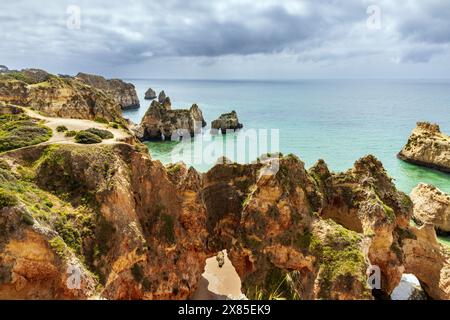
column 338, row 121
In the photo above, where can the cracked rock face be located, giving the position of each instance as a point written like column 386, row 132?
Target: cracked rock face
column 427, row 146
column 58, row 96
column 431, row 206
column 150, row 94
column 123, row 93
column 144, row 231
column 161, row 122
column 227, row 121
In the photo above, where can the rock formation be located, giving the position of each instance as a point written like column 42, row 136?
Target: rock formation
column 427, row 146
column 227, row 121
column 3, row 68
column 144, row 231
column 160, row 122
column 150, row 94
column 162, row 97
column 126, row 227
column 122, row 92
column 431, row 206
column 58, row 97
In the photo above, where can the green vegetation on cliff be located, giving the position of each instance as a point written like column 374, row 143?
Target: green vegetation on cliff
column 17, row 131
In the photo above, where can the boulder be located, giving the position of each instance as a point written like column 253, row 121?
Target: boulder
column 431, row 206
column 227, row 121
column 123, row 93
column 427, row 146
column 161, row 123
column 3, row 68
column 150, row 94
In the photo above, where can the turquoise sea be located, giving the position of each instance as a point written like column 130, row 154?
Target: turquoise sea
column 336, row 120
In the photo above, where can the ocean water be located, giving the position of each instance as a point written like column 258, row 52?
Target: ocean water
column 339, row 121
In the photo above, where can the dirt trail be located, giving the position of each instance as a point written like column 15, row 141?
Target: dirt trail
column 75, row 124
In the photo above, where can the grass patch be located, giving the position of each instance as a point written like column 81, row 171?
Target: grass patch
column 7, row 199
column 18, row 131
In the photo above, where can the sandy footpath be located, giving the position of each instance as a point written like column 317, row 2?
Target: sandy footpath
column 75, row 124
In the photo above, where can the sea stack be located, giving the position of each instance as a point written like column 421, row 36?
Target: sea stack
column 227, row 121
column 162, row 123
column 161, row 97
column 150, row 94
column 427, row 146
column 431, row 206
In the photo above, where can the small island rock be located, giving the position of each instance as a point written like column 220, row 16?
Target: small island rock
column 150, row 94
column 227, row 121
column 427, row 146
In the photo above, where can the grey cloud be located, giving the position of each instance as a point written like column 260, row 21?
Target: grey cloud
column 115, row 33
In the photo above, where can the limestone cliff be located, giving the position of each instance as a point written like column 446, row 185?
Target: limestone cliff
column 58, row 96
column 123, row 93
column 427, row 146
column 138, row 230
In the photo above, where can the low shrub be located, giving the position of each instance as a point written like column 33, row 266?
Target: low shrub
column 61, row 128
column 85, row 137
column 17, row 131
column 104, row 134
column 71, row 133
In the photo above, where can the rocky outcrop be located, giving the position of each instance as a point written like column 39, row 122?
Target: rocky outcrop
column 162, row 97
column 123, row 93
column 162, row 123
column 431, row 206
column 9, row 109
column 227, row 121
column 145, row 230
column 428, row 261
column 142, row 235
column 3, row 68
column 427, row 146
column 150, row 94
column 58, row 97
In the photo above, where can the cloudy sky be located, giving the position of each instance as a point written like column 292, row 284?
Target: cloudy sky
column 229, row 39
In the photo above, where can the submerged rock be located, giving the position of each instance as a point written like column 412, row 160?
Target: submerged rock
column 427, row 146
column 123, row 93
column 227, row 121
column 162, row 123
column 150, row 94
column 431, row 206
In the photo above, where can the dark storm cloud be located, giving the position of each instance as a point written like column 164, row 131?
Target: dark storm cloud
column 124, row 33
column 429, row 23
